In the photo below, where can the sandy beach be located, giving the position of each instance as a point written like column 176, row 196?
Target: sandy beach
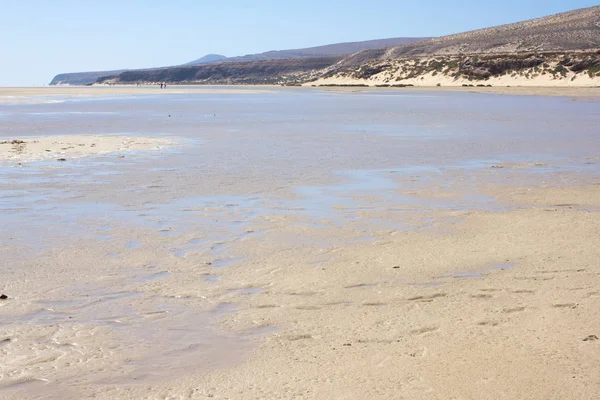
column 308, row 244
column 57, row 93
column 24, row 95
column 574, row 92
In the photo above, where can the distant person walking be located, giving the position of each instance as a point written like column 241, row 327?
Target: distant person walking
column 161, row 85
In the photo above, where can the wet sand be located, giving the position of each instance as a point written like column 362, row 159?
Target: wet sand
column 61, row 148
column 315, row 245
column 24, row 95
column 32, row 95
column 500, row 305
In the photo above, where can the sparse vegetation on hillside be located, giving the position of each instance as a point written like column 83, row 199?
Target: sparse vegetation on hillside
column 577, row 30
column 474, row 68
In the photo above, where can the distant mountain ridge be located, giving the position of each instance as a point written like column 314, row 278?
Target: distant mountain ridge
column 82, row 78
column 207, row 59
column 338, row 49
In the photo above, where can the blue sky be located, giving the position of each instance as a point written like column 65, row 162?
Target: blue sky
column 41, row 38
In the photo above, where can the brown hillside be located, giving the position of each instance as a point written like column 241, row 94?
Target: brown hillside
column 574, row 30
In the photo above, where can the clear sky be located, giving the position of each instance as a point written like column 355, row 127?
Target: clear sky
column 41, row 38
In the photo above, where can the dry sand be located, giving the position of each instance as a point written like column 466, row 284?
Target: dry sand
column 62, row 148
column 430, row 80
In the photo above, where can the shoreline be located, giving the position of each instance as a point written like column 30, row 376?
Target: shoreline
column 554, row 91
column 29, row 94
column 72, row 90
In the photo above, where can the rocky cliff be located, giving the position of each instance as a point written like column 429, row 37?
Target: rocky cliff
column 81, row 78
column 289, row 71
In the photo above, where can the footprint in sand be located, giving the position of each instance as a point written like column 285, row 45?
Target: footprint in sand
column 302, row 293
column 293, row 338
column 361, row 286
column 513, row 310
column 565, row 305
column 267, row 306
column 338, row 303
column 482, row 296
column 558, row 271
column 374, row 304
column 427, row 298
column 488, row 323
column 534, row 278
column 424, row 330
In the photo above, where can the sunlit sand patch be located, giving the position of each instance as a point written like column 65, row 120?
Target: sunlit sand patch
column 65, row 148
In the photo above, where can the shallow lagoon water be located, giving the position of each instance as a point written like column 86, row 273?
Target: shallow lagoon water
column 248, row 156
column 295, row 157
